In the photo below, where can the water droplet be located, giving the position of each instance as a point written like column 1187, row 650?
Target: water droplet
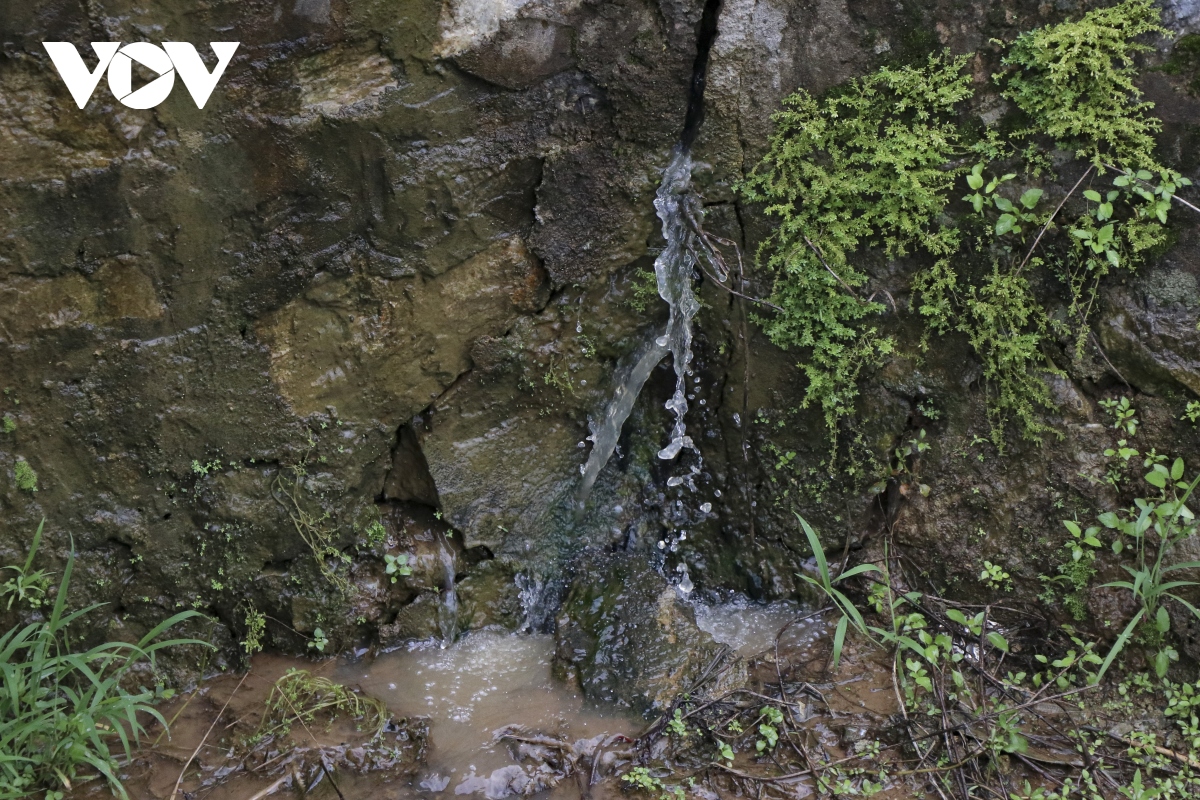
column 707, row 507
column 661, row 544
column 702, row 402
column 662, row 341
column 675, row 481
column 579, row 327
column 716, row 492
column 686, row 585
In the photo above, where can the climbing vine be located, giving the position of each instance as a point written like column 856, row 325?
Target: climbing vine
column 872, row 170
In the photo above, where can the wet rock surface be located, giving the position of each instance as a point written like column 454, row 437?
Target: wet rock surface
column 627, row 637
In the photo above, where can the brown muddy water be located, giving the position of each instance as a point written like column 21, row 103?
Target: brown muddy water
column 448, row 703
column 484, row 682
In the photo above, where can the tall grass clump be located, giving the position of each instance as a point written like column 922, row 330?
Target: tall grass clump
column 67, row 715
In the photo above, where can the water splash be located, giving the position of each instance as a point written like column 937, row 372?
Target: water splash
column 680, row 211
column 447, row 615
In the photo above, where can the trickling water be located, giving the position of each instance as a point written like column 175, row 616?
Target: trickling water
column 447, row 615
column 606, row 433
column 679, row 209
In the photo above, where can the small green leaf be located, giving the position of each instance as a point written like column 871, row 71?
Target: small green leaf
column 1113, row 258
column 1079, row 233
column 1005, row 224
column 1003, row 203
column 1030, row 198
column 998, row 642
column 1162, row 620
column 1072, row 527
column 1093, row 195
column 1105, row 211
column 1177, row 469
column 975, row 180
column 1155, row 478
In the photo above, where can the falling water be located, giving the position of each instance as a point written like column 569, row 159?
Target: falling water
column 606, row 433
column 447, row 615
column 679, row 209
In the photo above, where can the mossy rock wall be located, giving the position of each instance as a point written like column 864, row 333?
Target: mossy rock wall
column 397, row 248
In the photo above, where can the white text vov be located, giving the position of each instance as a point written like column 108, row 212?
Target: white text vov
column 166, row 61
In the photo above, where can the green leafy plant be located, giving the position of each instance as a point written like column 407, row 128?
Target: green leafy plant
column 376, row 534
column 827, row 585
column 1154, row 527
column 319, row 641
column 1192, row 412
column 642, row 778
column 205, row 469
column 256, row 626
column 643, row 290
column 870, row 167
column 27, row 586
column 1124, row 415
column 769, row 729
column 995, row 577
column 864, row 167
column 63, row 711
column 1075, row 81
column 676, row 724
column 398, row 565
column 27, row 479
column 8, row 424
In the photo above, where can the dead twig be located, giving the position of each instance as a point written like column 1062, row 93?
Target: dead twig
column 1058, row 208
column 188, row 763
column 274, row 787
column 825, row 264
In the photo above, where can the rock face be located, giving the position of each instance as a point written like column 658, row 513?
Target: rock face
column 370, row 295
column 627, row 637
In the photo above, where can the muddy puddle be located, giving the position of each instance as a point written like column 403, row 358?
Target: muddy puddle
column 481, row 684
column 447, row 705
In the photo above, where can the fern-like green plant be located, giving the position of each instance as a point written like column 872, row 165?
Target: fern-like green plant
column 1075, row 81
column 865, row 167
column 869, row 170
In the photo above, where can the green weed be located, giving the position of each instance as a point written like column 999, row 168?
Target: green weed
column 27, row 479
column 62, row 711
